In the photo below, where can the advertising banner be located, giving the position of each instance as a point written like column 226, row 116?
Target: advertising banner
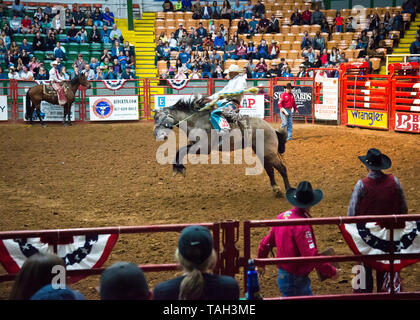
column 114, row 108
column 367, row 118
column 3, row 108
column 409, row 122
column 251, row 105
column 328, row 109
column 303, row 98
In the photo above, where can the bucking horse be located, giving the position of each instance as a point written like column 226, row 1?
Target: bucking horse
column 42, row 92
column 191, row 111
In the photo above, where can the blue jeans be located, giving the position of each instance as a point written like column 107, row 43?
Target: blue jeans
column 287, row 121
column 229, row 56
column 260, row 75
column 206, row 73
column 291, row 285
column 339, row 28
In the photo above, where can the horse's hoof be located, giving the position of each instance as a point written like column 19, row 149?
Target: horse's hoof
column 179, row 169
column 277, row 191
column 43, row 125
column 70, row 124
column 65, row 124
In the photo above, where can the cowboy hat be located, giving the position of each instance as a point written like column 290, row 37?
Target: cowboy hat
column 375, row 160
column 233, row 68
column 304, row 196
column 54, row 63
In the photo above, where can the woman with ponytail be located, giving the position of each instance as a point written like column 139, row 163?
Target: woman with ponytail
column 196, row 255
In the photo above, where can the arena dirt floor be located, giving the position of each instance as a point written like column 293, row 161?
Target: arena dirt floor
column 98, row 175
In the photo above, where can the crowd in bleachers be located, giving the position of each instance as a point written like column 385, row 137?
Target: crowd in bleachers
column 79, row 39
column 201, row 40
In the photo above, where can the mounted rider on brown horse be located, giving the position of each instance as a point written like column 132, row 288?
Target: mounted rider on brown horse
column 60, row 93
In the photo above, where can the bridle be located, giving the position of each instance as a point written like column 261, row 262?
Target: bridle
column 163, row 122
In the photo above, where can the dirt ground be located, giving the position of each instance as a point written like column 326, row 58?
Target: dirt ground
column 98, row 175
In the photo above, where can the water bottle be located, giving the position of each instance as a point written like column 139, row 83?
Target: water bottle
column 253, row 287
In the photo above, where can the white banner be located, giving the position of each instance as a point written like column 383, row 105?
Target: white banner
column 3, row 108
column 252, row 105
column 53, row 112
column 114, row 108
column 328, row 110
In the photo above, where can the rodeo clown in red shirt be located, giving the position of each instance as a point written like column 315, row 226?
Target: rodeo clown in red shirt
column 296, row 241
column 286, row 104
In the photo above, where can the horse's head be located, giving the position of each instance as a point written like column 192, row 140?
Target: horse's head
column 164, row 123
column 84, row 81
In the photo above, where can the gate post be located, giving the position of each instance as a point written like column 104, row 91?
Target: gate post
column 14, row 102
column 230, row 255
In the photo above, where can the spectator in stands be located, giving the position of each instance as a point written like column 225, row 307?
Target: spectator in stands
column 167, row 6
column 79, row 62
column 294, row 241
column 387, row 20
column 68, row 17
column 272, row 72
column 12, row 73
column 259, row 9
column 273, row 50
column 306, row 41
column 178, row 6
column 127, row 74
column 342, row 58
column 58, row 23
column 306, row 16
column 243, row 26
column 237, row 10
column 207, row 11
column 95, row 35
column 183, row 56
column 296, row 17
column 223, row 31
column 42, row 74
column 82, row 36
column 93, row 64
column 186, row 5
column 339, row 22
column 63, row 73
column 5, row 38
column 34, row 274
column 26, row 46
column 263, row 24
column 197, row 10
column 196, row 42
column 158, row 53
column 351, row 25
column 261, row 69
column 117, row 48
column 325, row 57
column 3, row 8
column 59, row 51
column 208, row 44
column 45, row 24
column 72, row 34
column 205, row 69
column 219, row 41
column 317, row 62
column 196, row 255
column 274, row 25
column 218, row 73
column 382, row 32
column 415, row 49
column 99, row 75
column 3, row 51
column 51, row 41
column 215, row 11
column 397, row 23
column 215, row 56
column 253, row 25
column 302, row 71
column 334, row 56
column 26, row 24
column 25, row 74
column 111, row 74
column 48, row 9
column 97, row 17
column 105, row 32
column 325, row 27
column 18, row 9
column 250, row 69
column 262, row 50
column 317, row 16
column 108, row 17
column 38, row 43
column 39, row 14
column 201, row 31
column 116, row 34
column 377, row 194
column 180, row 33
column 78, row 18
column 363, row 40
column 226, row 11
column 318, row 42
column 409, row 6
column 287, row 73
column 241, row 50
column 34, row 66
column 194, row 74
column 15, row 24
column 230, row 51
column 248, row 10
column 251, row 52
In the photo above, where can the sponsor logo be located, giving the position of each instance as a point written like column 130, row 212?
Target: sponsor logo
column 368, row 118
column 407, row 122
column 103, row 108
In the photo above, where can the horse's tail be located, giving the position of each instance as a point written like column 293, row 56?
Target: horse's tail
column 28, row 106
column 281, row 137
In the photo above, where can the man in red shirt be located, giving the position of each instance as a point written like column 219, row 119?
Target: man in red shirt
column 286, row 104
column 26, row 25
column 296, row 241
column 306, row 16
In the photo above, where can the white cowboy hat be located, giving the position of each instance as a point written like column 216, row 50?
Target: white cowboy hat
column 54, row 63
column 233, row 68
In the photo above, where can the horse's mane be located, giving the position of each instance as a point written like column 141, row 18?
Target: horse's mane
column 75, row 80
column 193, row 104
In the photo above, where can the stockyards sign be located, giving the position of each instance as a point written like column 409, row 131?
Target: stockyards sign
column 251, row 105
column 328, row 109
column 114, row 108
column 409, row 122
column 303, row 98
column 367, row 118
column 50, row 112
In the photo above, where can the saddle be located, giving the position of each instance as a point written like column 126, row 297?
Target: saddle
column 50, row 91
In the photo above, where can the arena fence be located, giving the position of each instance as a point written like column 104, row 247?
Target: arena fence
column 335, row 96
column 226, row 237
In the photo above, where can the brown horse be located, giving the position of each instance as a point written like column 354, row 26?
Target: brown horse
column 36, row 95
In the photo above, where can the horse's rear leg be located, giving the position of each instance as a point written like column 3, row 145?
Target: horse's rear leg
column 68, row 114
column 177, row 166
column 281, row 168
column 38, row 113
column 268, row 166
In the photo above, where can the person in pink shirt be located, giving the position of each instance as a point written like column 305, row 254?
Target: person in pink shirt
column 296, row 241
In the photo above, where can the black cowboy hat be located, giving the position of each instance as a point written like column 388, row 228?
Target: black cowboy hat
column 304, row 196
column 375, row 160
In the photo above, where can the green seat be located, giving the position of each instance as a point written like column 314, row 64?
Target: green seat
column 61, row 37
column 18, row 37
column 39, row 55
column 84, row 47
column 107, row 46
